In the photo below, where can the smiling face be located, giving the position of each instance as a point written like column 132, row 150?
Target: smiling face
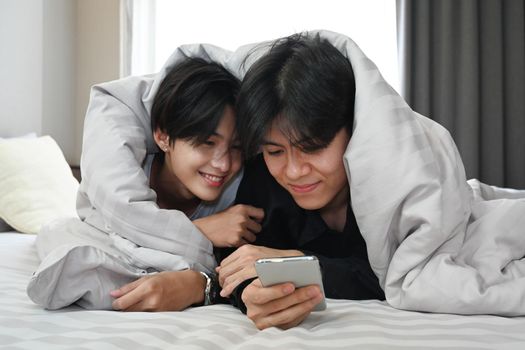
column 202, row 170
column 316, row 180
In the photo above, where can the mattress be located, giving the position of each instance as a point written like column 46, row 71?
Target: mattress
column 344, row 325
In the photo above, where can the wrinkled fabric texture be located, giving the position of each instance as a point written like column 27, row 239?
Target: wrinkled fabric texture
column 436, row 242
column 122, row 234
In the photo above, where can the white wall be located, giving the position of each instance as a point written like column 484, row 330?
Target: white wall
column 98, row 52
column 58, row 74
column 20, row 67
column 52, row 52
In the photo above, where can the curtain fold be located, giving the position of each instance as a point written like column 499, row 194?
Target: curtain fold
column 126, row 36
column 462, row 63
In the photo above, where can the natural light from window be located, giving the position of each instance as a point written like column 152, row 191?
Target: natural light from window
column 231, row 23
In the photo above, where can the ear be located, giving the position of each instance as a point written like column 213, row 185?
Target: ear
column 162, row 140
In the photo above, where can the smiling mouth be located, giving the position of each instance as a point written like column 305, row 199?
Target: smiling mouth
column 305, row 188
column 213, row 180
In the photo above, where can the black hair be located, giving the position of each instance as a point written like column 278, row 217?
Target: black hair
column 306, row 84
column 191, row 100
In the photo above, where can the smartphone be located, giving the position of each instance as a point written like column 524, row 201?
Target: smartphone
column 300, row 270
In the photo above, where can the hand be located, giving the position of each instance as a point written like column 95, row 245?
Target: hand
column 232, row 227
column 165, row 291
column 240, row 265
column 280, row 305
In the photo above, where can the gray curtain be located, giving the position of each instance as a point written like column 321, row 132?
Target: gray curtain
column 463, row 65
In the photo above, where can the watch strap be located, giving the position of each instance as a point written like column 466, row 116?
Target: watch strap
column 208, row 297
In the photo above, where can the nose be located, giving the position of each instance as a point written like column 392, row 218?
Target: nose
column 222, row 161
column 296, row 165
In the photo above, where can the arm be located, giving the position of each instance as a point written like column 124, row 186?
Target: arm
column 165, row 291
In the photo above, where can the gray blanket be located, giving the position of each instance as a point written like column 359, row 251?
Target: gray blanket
column 437, row 242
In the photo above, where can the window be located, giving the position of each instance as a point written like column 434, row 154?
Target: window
column 160, row 26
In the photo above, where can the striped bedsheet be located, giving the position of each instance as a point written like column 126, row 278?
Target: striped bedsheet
column 344, row 325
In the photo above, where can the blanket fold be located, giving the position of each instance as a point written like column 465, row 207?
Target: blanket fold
column 436, row 242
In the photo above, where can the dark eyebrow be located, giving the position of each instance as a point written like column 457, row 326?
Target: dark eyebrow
column 271, row 143
column 215, row 133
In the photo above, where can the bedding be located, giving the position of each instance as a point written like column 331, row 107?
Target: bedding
column 36, row 183
column 344, row 325
column 436, row 242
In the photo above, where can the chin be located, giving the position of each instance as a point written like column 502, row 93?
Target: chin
column 209, row 197
column 309, row 204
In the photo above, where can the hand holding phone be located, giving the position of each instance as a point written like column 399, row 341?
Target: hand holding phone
column 299, row 270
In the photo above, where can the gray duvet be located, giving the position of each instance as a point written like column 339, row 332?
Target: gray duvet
column 437, row 242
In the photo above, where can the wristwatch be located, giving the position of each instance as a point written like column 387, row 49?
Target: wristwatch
column 208, row 294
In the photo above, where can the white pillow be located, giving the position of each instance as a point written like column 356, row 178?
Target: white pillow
column 36, row 183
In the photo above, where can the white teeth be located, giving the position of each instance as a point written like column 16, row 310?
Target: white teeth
column 213, row 178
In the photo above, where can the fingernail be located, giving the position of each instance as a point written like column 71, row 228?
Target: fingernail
column 288, row 289
column 312, row 292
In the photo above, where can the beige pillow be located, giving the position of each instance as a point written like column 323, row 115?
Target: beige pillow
column 36, row 183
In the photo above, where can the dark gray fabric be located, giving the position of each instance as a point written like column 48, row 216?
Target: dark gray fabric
column 463, row 65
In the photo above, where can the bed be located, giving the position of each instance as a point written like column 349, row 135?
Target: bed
column 36, row 186
column 344, row 325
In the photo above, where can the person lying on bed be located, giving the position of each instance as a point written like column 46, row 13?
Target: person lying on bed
column 296, row 104
column 194, row 126
column 196, row 172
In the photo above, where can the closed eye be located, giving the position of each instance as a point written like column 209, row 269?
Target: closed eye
column 274, row 153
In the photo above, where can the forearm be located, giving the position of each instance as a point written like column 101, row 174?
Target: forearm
column 196, row 286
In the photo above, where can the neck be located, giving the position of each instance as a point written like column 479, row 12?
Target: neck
column 171, row 193
column 334, row 213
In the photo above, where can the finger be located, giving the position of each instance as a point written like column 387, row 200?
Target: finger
column 283, row 312
column 227, row 271
column 253, row 226
column 230, row 259
column 255, row 213
column 256, row 294
column 129, row 299
column 291, row 316
column 234, row 280
column 248, row 237
column 140, row 306
column 295, row 321
column 299, row 296
column 126, row 288
column 228, row 288
column 282, row 296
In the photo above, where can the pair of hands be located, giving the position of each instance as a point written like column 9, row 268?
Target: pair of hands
column 280, row 305
column 176, row 290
